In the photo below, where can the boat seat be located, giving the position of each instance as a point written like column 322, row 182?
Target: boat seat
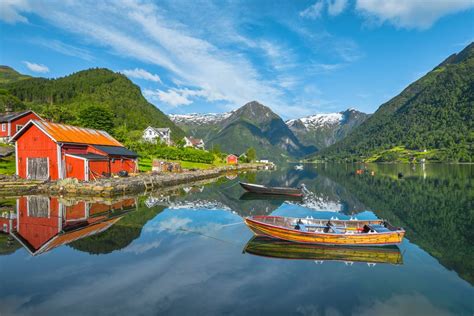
column 378, row 228
column 301, row 226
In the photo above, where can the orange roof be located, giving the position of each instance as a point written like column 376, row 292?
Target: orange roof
column 72, row 134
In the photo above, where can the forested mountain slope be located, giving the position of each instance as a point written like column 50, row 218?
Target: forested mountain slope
column 62, row 99
column 435, row 114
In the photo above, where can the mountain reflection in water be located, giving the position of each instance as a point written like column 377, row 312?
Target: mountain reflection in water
column 155, row 253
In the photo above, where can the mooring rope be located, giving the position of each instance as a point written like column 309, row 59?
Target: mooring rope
column 230, row 186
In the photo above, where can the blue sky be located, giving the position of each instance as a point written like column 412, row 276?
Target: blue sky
column 298, row 57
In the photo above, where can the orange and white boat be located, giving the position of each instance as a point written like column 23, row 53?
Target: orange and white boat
column 330, row 232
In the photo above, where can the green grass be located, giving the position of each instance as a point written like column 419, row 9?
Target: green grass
column 7, row 165
column 145, row 164
column 401, row 154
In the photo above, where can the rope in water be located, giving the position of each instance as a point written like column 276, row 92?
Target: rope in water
column 230, row 186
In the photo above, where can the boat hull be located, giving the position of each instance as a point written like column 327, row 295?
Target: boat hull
column 294, row 235
column 271, row 190
column 281, row 249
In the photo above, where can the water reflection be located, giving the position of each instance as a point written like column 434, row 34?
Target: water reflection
column 43, row 223
column 272, row 248
column 156, row 253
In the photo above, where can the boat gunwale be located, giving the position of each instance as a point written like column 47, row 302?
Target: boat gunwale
column 249, row 218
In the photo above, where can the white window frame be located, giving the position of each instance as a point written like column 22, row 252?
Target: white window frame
column 4, row 127
column 18, row 127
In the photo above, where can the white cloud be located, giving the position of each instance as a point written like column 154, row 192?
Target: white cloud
column 321, row 68
column 335, row 7
column 36, row 67
column 313, row 11
column 411, row 13
column 177, row 97
column 63, row 48
column 141, row 74
column 145, row 34
column 170, row 97
column 9, row 11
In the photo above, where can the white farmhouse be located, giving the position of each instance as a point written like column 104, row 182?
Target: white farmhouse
column 153, row 134
column 197, row 143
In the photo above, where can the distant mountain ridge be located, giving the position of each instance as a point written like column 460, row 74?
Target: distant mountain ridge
column 8, row 74
column 252, row 125
column 434, row 115
column 323, row 130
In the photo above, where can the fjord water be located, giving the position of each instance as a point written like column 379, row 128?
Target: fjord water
column 188, row 253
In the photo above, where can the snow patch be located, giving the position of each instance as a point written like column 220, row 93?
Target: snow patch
column 199, row 118
column 318, row 120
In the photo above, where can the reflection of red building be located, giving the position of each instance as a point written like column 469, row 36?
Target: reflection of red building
column 7, row 221
column 53, row 151
column 44, row 223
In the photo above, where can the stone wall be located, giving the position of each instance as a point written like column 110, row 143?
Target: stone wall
column 115, row 186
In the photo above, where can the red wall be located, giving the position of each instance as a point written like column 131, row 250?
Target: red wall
column 122, row 164
column 74, row 168
column 20, row 121
column 96, row 167
column 232, row 159
column 4, row 133
column 35, row 144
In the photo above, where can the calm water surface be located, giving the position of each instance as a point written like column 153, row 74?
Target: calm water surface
column 188, row 253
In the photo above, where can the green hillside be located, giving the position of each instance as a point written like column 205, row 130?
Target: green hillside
column 255, row 125
column 435, row 113
column 64, row 99
column 8, row 74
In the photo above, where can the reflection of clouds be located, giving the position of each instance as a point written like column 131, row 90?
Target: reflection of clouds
column 172, row 224
column 143, row 247
column 183, row 225
column 399, row 304
column 147, row 287
column 402, row 304
column 312, row 310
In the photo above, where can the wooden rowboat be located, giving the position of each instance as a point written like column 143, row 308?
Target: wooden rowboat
column 281, row 249
column 261, row 189
column 329, row 232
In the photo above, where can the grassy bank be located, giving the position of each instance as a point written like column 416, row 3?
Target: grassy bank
column 402, row 155
column 144, row 164
column 7, row 165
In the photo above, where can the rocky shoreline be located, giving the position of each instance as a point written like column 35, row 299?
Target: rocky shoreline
column 111, row 187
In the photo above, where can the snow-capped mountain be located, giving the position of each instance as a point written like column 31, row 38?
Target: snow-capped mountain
column 199, row 118
column 323, row 130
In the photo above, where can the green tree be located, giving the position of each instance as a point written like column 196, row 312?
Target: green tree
column 97, row 117
column 251, row 154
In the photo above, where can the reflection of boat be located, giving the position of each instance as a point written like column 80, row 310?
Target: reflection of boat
column 250, row 196
column 275, row 248
column 261, row 189
column 299, row 167
column 323, row 231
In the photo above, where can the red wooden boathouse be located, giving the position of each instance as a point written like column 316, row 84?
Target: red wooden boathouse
column 54, row 151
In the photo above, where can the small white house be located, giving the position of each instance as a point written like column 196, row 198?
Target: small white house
column 153, row 134
column 193, row 142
